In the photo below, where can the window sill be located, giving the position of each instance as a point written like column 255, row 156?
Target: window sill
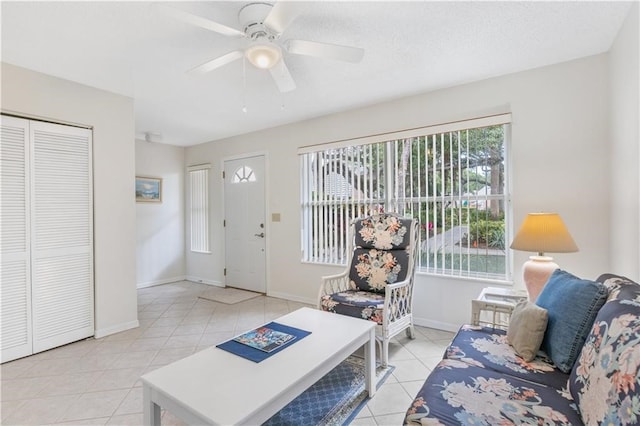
column 486, row 280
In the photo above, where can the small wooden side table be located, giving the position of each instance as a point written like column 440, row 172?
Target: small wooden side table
column 494, row 306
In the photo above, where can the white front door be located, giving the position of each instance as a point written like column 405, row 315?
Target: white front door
column 245, row 227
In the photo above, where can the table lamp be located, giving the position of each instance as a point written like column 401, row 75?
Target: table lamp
column 541, row 233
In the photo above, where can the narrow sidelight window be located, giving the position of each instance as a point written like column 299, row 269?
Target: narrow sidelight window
column 199, row 207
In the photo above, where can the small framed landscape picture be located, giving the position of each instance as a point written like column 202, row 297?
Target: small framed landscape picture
column 148, row 189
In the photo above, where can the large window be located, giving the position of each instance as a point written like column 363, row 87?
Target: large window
column 453, row 178
column 199, row 207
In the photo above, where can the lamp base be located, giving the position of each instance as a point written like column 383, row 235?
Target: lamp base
column 536, row 272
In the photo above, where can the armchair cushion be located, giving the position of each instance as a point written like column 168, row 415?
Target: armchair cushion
column 384, row 232
column 372, row 269
column 355, row 303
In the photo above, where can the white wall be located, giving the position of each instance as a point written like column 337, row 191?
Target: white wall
column 34, row 94
column 160, row 226
column 625, row 153
column 559, row 163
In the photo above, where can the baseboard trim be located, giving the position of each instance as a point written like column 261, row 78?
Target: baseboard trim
column 423, row 322
column 160, row 282
column 103, row 332
column 199, row 280
column 286, row 296
column 438, row 325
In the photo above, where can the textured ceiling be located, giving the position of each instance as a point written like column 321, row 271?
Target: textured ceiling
column 131, row 48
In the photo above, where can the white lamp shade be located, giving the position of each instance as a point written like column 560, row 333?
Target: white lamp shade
column 544, row 233
column 541, row 233
column 263, row 56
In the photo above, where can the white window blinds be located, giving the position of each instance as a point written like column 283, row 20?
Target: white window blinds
column 199, row 207
column 451, row 177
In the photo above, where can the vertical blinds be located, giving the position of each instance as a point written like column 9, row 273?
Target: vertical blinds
column 454, row 182
column 199, row 207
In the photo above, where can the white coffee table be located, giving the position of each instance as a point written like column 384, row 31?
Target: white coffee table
column 216, row 387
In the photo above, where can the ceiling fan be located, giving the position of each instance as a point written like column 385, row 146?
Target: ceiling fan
column 263, row 24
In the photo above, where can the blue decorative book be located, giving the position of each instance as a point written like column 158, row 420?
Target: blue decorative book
column 264, row 338
column 264, row 341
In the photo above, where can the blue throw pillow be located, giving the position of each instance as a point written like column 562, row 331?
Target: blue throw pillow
column 572, row 304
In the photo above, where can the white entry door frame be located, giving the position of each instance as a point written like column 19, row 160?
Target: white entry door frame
column 246, row 228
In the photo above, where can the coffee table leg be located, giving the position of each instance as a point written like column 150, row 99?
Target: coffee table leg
column 151, row 409
column 370, row 363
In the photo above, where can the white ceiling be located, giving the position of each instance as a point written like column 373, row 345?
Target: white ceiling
column 133, row 49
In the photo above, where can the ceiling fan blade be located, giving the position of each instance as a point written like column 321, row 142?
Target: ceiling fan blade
column 218, row 62
column 199, row 21
column 325, row 50
column 282, row 15
column 282, row 77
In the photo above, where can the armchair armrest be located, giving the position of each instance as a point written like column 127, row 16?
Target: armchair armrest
column 333, row 284
column 398, row 301
column 399, row 284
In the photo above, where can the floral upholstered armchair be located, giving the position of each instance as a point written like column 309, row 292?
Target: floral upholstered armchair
column 378, row 282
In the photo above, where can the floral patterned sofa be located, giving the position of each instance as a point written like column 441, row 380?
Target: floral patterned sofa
column 482, row 381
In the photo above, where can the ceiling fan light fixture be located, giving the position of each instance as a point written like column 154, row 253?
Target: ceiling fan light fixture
column 264, row 56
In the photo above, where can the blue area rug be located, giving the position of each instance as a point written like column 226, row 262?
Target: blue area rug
column 335, row 399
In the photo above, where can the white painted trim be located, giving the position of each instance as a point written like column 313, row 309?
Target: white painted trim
column 199, row 280
column 267, row 222
column 243, row 155
column 422, row 322
column 196, row 167
column 116, row 329
column 26, row 116
column 475, row 280
column 160, row 282
column 491, row 120
column 438, row 325
column 293, row 298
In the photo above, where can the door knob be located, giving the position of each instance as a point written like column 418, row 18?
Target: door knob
column 261, row 235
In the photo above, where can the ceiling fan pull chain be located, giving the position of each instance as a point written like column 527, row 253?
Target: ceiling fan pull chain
column 244, row 84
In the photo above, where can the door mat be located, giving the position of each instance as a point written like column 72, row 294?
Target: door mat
column 228, row 295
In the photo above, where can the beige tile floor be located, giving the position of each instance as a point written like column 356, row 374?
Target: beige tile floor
column 95, row 381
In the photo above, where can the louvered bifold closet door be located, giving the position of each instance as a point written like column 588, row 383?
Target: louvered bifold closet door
column 62, row 235
column 15, row 286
